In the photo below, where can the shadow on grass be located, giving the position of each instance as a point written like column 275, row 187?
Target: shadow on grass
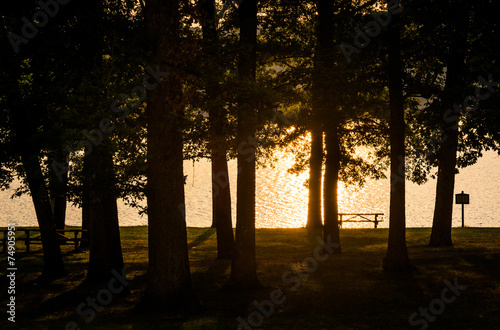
column 349, row 291
column 202, row 238
column 73, row 298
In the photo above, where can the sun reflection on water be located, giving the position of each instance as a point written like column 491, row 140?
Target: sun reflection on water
column 282, row 197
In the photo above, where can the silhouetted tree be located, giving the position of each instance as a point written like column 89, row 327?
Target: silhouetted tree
column 100, row 184
column 244, row 265
column 25, row 85
column 447, row 154
column 53, row 266
column 323, row 103
column 396, row 258
column 58, row 187
column 450, row 131
column 221, row 195
column 169, row 279
column 315, row 176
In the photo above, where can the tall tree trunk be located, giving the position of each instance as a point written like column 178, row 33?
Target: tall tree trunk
column 221, row 205
column 443, row 208
column 396, row 258
column 85, row 222
column 221, row 194
column 169, row 280
column 105, row 254
column 53, row 266
column 25, row 126
column 86, row 203
column 244, row 265
column 315, row 174
column 447, row 157
column 59, row 205
column 58, row 190
column 105, row 248
column 331, row 230
column 324, row 106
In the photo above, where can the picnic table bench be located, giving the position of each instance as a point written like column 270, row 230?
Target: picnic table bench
column 360, row 217
column 28, row 239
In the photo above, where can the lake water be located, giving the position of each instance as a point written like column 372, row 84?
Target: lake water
column 282, row 199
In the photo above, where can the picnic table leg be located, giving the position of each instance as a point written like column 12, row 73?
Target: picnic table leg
column 376, row 221
column 27, row 240
column 76, row 240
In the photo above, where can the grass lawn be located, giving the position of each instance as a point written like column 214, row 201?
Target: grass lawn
column 349, row 291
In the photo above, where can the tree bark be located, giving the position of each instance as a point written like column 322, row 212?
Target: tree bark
column 86, row 204
column 105, row 253
column 324, row 106
column 443, row 208
column 244, row 265
column 221, row 205
column 58, row 191
column 331, row 232
column 221, row 194
column 169, row 280
column 315, row 175
column 314, row 214
column 53, row 266
column 25, row 126
column 447, row 157
column 396, row 258
column 59, row 203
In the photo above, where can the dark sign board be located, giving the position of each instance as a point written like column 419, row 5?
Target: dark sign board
column 462, row 198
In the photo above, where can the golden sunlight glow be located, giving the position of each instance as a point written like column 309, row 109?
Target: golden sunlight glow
column 282, row 197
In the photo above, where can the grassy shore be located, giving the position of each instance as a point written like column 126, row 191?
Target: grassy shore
column 349, row 291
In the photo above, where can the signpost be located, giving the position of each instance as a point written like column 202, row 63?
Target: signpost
column 462, row 199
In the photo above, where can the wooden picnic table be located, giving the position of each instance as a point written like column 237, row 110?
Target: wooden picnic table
column 28, row 240
column 360, row 217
